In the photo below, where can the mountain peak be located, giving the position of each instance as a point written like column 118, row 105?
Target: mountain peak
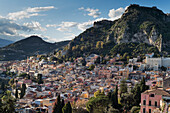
column 133, row 8
column 33, row 38
column 27, row 47
column 140, row 25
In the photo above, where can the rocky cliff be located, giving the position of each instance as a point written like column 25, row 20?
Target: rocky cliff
column 138, row 24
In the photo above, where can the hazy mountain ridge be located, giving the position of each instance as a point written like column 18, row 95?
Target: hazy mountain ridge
column 28, row 47
column 4, row 42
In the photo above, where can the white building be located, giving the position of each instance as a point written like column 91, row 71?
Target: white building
column 156, row 63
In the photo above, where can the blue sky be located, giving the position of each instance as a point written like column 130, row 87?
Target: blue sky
column 57, row 20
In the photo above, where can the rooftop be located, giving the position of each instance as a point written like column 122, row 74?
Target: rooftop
column 157, row 92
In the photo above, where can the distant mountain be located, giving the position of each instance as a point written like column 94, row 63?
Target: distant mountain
column 140, row 30
column 4, row 42
column 28, row 47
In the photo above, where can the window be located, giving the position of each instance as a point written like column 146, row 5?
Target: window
column 156, row 103
column 144, row 102
column 150, row 103
column 143, row 110
column 152, row 95
column 149, row 110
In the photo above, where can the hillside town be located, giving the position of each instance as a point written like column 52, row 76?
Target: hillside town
column 77, row 81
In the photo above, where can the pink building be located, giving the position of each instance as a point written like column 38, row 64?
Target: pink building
column 152, row 99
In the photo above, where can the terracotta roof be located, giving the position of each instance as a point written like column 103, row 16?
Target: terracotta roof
column 157, row 92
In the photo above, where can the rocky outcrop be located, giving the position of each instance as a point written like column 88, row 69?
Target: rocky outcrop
column 138, row 24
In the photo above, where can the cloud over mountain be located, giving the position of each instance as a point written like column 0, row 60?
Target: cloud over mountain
column 35, row 26
column 64, row 26
column 116, row 13
column 91, row 12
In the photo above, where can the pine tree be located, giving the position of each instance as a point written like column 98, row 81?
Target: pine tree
column 8, row 104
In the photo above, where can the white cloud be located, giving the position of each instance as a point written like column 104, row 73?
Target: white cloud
column 65, row 26
column 100, row 19
column 10, row 28
column 69, row 36
column 13, row 31
column 39, row 9
column 51, row 25
column 81, row 8
column 92, row 12
column 115, row 14
column 68, row 24
column 35, row 25
column 62, row 29
column 46, row 38
column 83, row 26
column 29, row 12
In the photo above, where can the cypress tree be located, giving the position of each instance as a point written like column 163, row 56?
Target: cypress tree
column 24, row 87
column 143, row 85
column 57, row 107
column 40, row 81
column 67, row 108
column 137, row 95
column 3, row 86
column 84, row 62
column 97, row 60
column 23, row 90
column 16, row 93
column 62, row 103
column 109, row 95
column 59, row 104
column 116, row 97
column 123, row 87
column 1, row 104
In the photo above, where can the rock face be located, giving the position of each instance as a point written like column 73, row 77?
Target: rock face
column 143, row 25
column 138, row 24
